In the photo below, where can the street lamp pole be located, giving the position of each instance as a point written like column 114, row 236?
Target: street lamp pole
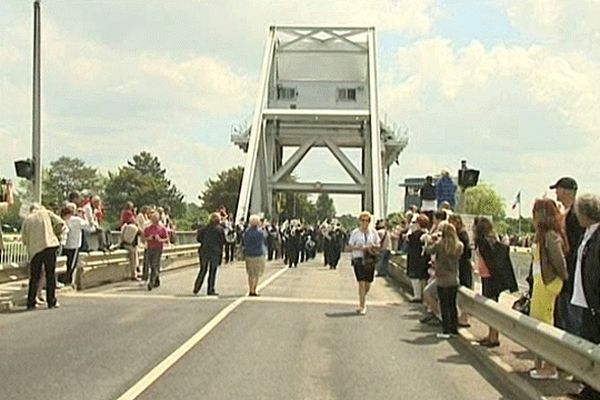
column 36, row 149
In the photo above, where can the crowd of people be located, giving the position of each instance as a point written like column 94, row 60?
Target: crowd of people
column 441, row 255
column 76, row 226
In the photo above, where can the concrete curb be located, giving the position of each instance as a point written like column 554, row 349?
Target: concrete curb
column 501, row 370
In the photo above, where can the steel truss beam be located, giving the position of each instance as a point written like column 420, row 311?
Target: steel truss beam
column 318, row 187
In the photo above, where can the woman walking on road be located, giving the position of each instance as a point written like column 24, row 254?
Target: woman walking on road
column 364, row 244
column 255, row 242
column 549, row 270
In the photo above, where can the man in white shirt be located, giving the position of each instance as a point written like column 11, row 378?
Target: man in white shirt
column 76, row 226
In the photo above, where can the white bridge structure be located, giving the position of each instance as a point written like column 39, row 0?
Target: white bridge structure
column 317, row 88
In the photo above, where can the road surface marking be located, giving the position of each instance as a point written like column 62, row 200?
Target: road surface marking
column 147, row 380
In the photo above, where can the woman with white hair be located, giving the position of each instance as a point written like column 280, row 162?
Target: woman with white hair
column 255, row 244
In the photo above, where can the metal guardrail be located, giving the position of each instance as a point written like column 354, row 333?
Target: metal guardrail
column 97, row 268
column 15, row 253
column 569, row 352
column 98, row 258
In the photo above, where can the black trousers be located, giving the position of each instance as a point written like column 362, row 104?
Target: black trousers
column 448, row 309
column 47, row 259
column 590, row 330
column 229, row 252
column 208, row 263
column 72, row 256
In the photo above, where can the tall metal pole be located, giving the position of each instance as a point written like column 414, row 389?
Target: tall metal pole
column 36, row 142
column 520, row 215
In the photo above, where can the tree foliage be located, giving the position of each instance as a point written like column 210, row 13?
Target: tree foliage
column 144, row 182
column 484, row 200
column 348, row 222
column 223, row 191
column 296, row 205
column 324, row 207
column 192, row 216
column 66, row 175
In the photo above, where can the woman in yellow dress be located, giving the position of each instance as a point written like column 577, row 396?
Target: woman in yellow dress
column 549, row 270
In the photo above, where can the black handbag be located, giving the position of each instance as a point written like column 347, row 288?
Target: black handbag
column 523, row 304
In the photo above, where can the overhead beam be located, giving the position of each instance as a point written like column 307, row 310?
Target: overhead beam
column 299, row 38
column 318, row 187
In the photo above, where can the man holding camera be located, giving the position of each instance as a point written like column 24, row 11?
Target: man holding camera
column 6, row 200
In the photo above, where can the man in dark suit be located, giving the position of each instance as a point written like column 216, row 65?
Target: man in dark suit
column 212, row 239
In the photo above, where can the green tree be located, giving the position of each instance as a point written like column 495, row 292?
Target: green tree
column 484, row 200
column 66, row 175
column 223, row 191
column 395, row 218
column 144, row 182
column 192, row 216
column 348, row 221
column 324, row 207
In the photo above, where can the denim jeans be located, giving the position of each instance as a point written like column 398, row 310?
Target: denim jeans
column 154, row 256
column 208, row 263
column 566, row 315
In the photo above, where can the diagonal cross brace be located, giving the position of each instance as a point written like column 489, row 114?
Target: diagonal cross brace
column 293, row 161
column 345, row 162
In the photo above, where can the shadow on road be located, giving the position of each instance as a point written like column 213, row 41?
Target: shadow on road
column 343, row 314
column 426, row 340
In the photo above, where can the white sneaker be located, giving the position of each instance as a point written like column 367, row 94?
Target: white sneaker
column 363, row 311
column 443, row 335
column 535, row 374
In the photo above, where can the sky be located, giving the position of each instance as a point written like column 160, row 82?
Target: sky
column 511, row 86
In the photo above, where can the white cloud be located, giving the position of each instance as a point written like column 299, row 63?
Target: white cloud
column 524, row 115
column 566, row 25
column 566, row 84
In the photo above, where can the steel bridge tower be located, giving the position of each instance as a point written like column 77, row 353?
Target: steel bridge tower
column 317, row 88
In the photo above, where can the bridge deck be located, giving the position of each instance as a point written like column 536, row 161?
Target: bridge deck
column 300, row 340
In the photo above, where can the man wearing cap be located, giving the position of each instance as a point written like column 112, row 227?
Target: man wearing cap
column 568, row 316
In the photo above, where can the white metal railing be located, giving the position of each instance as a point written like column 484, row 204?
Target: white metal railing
column 14, row 253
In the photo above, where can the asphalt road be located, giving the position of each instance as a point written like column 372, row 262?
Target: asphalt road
column 300, row 340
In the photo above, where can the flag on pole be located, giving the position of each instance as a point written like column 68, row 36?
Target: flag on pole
column 517, row 200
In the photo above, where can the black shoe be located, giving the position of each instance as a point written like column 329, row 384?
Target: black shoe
column 149, row 286
column 487, row 343
column 212, row 294
column 427, row 318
